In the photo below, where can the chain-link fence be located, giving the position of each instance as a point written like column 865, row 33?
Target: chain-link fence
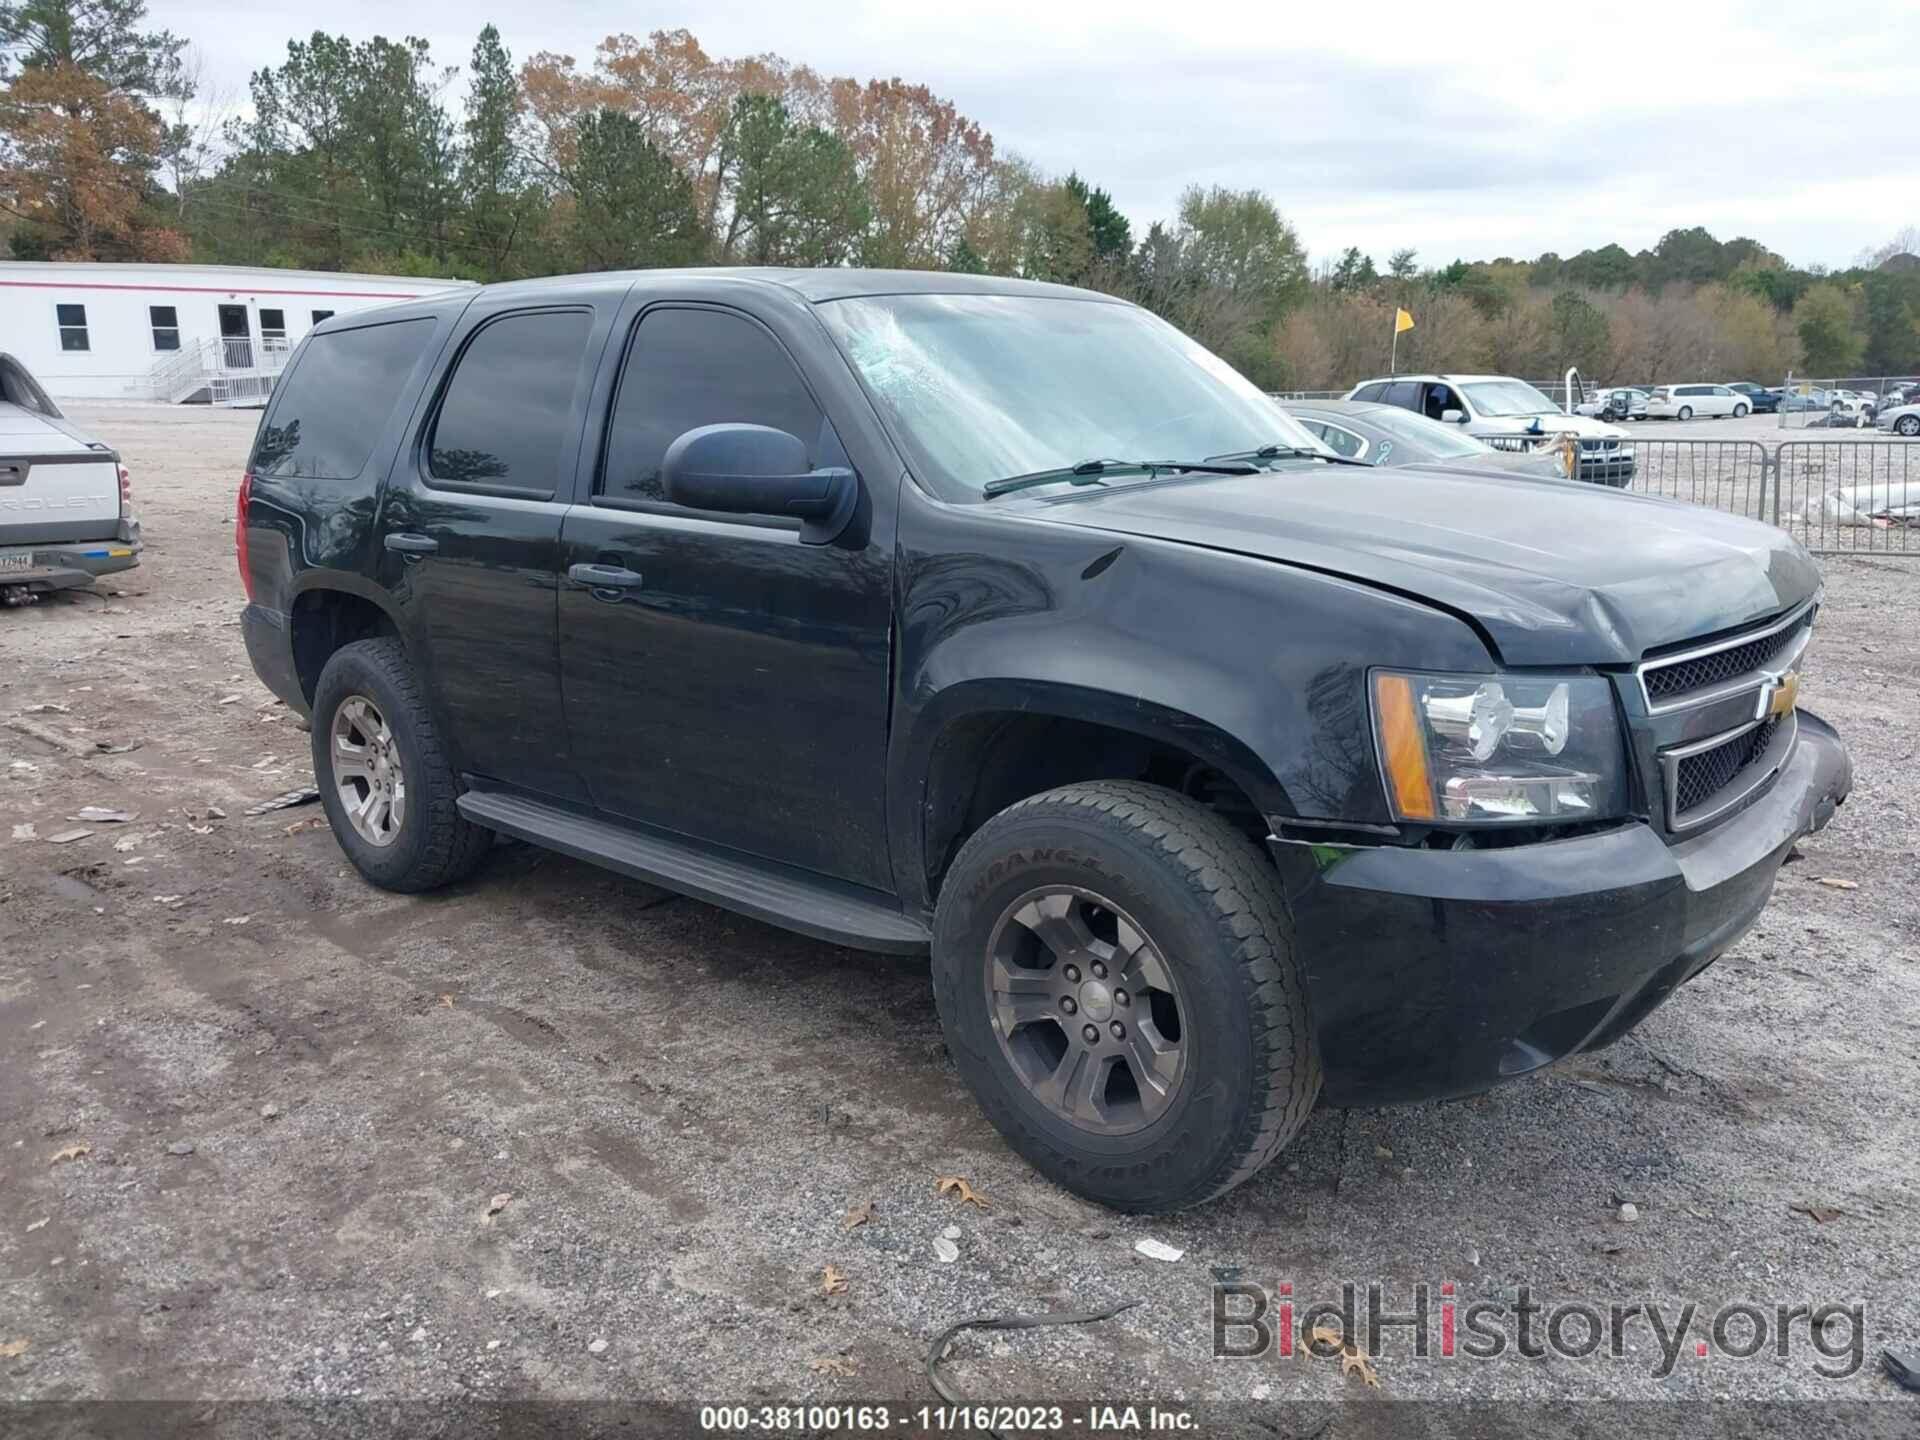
column 1844, row 403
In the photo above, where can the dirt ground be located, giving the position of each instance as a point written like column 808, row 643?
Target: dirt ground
column 254, row 1115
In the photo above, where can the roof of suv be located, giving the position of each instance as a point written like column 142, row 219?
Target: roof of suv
column 827, row 283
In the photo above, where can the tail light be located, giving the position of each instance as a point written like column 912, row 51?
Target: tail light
column 240, row 534
column 126, row 492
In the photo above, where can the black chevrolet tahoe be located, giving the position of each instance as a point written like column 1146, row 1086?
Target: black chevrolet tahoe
column 1000, row 622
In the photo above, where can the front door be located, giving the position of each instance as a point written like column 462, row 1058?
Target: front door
column 236, row 337
column 723, row 680
column 470, row 534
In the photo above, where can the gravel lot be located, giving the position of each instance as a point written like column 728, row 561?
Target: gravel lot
column 291, row 1100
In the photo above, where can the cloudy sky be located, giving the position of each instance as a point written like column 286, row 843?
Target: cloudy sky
column 1462, row 129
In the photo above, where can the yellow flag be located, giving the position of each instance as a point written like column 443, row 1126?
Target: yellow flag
column 1402, row 321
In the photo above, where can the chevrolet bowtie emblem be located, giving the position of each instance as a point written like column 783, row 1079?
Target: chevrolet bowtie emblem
column 1778, row 696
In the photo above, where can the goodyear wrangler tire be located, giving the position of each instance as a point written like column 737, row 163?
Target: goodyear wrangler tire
column 1114, row 970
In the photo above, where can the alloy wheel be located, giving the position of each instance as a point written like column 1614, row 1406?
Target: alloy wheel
column 1087, row 1010
column 367, row 771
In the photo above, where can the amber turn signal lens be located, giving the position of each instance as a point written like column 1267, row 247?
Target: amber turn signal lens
column 1403, row 748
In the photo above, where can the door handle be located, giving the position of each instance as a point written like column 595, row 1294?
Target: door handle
column 604, row 577
column 411, row 544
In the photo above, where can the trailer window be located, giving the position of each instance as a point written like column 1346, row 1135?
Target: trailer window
column 73, row 327
column 165, row 320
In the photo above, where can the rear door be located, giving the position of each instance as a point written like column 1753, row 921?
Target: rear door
column 469, row 528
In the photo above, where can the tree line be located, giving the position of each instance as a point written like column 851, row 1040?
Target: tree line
column 372, row 155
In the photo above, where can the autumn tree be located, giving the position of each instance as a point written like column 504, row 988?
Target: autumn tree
column 79, row 140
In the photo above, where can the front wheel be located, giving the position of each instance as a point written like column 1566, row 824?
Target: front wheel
column 1740, row 412
column 1114, row 970
column 385, row 781
column 1686, row 412
column 1908, row 425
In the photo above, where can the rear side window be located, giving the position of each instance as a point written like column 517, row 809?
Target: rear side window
column 338, row 400
column 1371, row 392
column 1405, row 394
column 508, row 412
column 699, row 367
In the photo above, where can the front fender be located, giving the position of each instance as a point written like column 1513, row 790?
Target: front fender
column 1258, row 667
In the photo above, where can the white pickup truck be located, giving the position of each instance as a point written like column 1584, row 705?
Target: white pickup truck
column 66, row 514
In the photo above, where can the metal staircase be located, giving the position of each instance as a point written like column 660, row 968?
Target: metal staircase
column 219, row 371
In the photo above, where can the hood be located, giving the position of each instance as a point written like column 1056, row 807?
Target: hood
column 1553, row 574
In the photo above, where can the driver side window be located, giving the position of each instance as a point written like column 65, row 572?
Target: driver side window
column 1438, row 399
column 689, row 367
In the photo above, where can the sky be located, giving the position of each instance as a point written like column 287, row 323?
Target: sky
column 1461, row 130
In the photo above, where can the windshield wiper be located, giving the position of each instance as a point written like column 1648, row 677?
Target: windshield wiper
column 1088, row 472
column 1290, row 452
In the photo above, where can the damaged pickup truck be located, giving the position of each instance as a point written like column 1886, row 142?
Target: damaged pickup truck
column 1001, row 622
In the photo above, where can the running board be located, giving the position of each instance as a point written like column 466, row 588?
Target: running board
column 778, row 895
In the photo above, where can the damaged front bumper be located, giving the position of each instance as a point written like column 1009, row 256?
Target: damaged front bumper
column 1442, row 972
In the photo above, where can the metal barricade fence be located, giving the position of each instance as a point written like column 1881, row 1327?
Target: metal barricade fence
column 1847, row 497
column 1728, row 475
column 1837, row 497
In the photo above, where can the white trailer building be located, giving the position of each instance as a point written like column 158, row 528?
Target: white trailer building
column 172, row 333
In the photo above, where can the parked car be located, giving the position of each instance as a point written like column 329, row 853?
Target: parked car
column 66, row 506
column 1001, row 622
column 1506, row 412
column 1851, row 407
column 1902, row 420
column 1622, row 402
column 1686, row 402
column 1796, row 398
column 1762, row 400
column 1387, row 435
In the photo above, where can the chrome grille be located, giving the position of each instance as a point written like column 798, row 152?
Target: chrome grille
column 1707, row 672
column 1699, row 778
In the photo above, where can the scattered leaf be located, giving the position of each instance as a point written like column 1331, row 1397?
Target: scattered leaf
column 1325, row 1334
column 229, row 699
column 312, row 822
column 11, row 1348
column 832, row 1282
column 495, row 1206
column 1819, row 1214
column 236, row 920
column 968, row 1195
column 37, row 1224
column 103, row 815
column 72, row 1152
column 838, row 1365
column 1834, row 882
column 858, row 1215
column 944, row 1250
column 45, row 707
column 214, row 812
column 67, row 837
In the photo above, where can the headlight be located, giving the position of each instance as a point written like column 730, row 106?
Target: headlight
column 1479, row 749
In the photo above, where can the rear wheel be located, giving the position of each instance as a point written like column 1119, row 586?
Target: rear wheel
column 1114, row 972
column 384, row 779
column 1908, row 425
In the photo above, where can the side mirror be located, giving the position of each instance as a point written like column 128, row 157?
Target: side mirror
column 1453, row 417
column 757, row 470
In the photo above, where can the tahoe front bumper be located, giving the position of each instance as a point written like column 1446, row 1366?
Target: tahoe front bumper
column 1442, row 972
